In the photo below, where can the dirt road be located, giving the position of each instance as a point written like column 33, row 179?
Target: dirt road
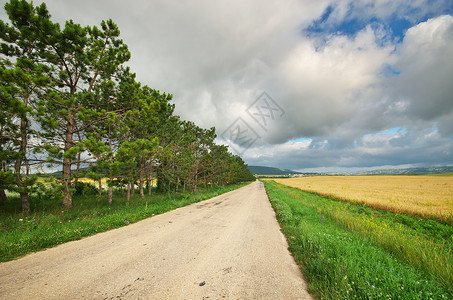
column 228, row 247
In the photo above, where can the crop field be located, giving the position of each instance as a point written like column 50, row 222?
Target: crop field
column 423, row 196
column 348, row 250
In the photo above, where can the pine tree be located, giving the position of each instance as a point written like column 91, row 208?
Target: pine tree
column 22, row 78
column 80, row 61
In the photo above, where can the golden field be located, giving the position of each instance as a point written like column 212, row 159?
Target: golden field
column 415, row 195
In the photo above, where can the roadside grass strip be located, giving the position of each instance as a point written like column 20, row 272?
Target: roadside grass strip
column 351, row 251
column 50, row 225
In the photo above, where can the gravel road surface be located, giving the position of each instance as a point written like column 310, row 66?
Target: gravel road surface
column 228, row 247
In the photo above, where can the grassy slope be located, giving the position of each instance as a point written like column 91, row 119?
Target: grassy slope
column 50, row 224
column 349, row 251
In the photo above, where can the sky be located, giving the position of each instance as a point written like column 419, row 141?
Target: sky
column 303, row 85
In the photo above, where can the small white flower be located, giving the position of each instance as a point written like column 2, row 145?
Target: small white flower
column 20, row 220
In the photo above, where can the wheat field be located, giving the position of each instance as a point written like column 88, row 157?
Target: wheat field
column 423, row 196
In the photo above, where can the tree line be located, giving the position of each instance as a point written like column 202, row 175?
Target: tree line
column 69, row 100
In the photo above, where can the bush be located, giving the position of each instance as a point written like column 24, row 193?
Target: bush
column 83, row 188
column 48, row 192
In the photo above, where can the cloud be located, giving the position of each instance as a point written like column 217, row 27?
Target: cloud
column 394, row 149
column 351, row 86
column 327, row 86
column 426, row 68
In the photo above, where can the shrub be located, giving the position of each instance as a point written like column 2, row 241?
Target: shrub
column 84, row 188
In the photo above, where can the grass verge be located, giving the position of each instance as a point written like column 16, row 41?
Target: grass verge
column 50, row 225
column 351, row 251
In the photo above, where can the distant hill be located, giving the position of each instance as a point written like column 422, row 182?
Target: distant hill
column 260, row 170
column 417, row 170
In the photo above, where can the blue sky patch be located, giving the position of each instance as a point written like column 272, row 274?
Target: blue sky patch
column 395, row 24
column 299, row 140
column 394, row 130
column 389, row 71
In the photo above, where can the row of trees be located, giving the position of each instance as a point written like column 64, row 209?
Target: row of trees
column 68, row 100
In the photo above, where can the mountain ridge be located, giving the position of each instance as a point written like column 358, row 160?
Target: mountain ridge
column 262, row 170
column 414, row 170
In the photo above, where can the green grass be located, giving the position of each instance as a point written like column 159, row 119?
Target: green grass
column 50, row 224
column 351, row 251
column 440, row 174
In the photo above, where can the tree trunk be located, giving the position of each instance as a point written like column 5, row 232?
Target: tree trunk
column 110, row 190
column 150, row 186
column 110, row 194
column 132, row 189
column 128, row 192
column 25, row 202
column 67, row 199
column 142, row 178
column 205, row 180
column 196, row 173
column 142, row 191
column 150, row 182
column 18, row 164
column 100, row 188
column 3, row 197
